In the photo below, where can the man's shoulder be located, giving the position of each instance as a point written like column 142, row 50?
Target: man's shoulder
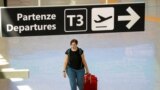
column 80, row 50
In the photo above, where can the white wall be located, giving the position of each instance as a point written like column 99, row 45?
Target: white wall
column 22, row 2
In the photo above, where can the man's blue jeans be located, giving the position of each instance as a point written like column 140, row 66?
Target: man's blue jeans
column 75, row 78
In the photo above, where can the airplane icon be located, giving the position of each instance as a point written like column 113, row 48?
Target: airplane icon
column 102, row 19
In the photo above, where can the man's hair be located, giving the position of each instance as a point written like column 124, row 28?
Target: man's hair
column 74, row 41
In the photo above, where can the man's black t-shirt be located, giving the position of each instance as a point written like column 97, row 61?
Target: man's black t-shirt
column 75, row 59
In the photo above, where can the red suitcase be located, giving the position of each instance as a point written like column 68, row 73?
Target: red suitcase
column 90, row 82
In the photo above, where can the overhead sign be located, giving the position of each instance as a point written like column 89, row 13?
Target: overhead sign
column 61, row 20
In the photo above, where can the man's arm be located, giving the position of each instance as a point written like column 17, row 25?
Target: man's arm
column 85, row 63
column 65, row 65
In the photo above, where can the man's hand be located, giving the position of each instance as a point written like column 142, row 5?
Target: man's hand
column 87, row 72
column 64, row 74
